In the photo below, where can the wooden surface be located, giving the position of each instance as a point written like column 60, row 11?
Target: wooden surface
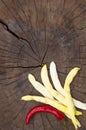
column 32, row 33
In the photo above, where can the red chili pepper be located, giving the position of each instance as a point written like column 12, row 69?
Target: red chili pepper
column 44, row 108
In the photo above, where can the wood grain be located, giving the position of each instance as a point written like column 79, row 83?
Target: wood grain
column 32, row 33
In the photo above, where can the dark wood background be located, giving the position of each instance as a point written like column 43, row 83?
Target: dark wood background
column 34, row 32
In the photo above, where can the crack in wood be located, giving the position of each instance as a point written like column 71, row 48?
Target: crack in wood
column 30, row 67
column 6, row 27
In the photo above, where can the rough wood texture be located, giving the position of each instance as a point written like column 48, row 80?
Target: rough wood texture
column 34, row 32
